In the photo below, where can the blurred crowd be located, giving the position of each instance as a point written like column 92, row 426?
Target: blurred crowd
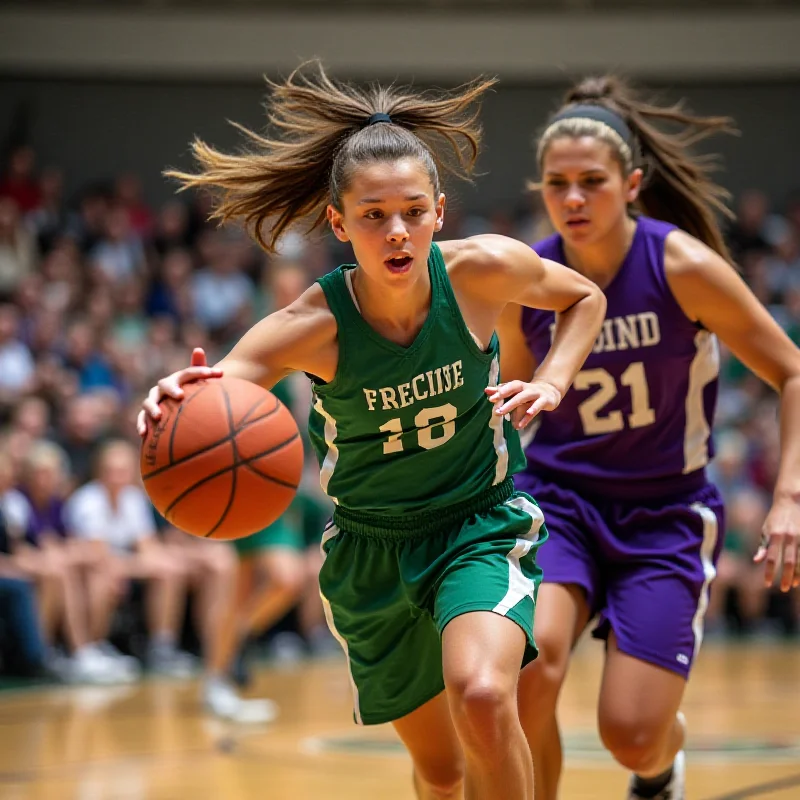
column 101, row 294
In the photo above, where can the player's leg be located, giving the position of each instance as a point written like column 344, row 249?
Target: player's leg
column 73, row 600
column 212, row 573
column 430, row 738
column 224, row 645
column 165, row 580
column 657, row 595
column 219, row 695
column 638, row 713
column 562, row 613
column 481, row 657
column 34, row 564
column 281, row 574
column 567, row 598
column 106, row 584
column 484, row 607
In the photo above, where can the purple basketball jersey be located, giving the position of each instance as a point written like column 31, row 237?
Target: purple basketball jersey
column 637, row 421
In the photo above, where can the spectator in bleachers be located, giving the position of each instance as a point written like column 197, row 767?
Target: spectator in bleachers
column 745, row 513
column 172, row 228
column 32, row 415
column 84, row 355
column 751, row 230
column 17, row 367
column 119, row 255
column 113, row 513
column 18, row 250
column 80, row 435
column 221, row 292
column 171, row 292
column 38, row 552
column 22, row 649
column 19, row 181
column 49, row 218
column 128, row 195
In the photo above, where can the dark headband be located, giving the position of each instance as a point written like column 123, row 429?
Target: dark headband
column 377, row 118
column 599, row 114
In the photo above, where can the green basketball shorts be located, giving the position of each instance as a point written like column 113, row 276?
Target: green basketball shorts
column 389, row 590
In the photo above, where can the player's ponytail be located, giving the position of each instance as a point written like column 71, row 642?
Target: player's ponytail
column 677, row 186
column 323, row 130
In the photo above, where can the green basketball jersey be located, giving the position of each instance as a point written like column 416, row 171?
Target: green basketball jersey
column 405, row 429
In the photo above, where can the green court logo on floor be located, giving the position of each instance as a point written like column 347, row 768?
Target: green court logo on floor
column 581, row 747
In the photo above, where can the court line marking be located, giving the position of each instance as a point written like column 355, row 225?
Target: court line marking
column 759, row 789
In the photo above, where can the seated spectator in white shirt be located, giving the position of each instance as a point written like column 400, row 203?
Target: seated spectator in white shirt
column 114, row 513
column 39, row 555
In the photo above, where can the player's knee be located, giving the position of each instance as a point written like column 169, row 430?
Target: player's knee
column 484, row 705
column 637, row 747
column 290, row 578
column 441, row 781
column 223, row 565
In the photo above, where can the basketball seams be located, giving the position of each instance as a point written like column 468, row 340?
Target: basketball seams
column 242, row 463
column 244, row 421
column 208, row 447
column 236, row 459
column 266, row 477
column 181, row 406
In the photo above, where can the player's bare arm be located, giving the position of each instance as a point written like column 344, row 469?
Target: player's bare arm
column 488, row 273
column 715, row 296
column 299, row 338
column 517, row 363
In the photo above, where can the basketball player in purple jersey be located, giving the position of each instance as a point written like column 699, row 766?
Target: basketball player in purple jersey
column 619, row 468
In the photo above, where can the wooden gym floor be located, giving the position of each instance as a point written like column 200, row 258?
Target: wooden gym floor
column 152, row 742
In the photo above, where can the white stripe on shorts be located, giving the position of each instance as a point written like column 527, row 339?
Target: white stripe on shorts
column 329, row 534
column 520, row 586
column 710, row 536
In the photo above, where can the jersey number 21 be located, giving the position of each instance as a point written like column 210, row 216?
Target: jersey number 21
column 590, row 410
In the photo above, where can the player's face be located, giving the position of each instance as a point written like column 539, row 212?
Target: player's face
column 389, row 215
column 584, row 189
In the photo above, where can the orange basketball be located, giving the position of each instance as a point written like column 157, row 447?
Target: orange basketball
column 225, row 461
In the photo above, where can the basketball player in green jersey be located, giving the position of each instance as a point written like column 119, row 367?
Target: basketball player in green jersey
column 430, row 576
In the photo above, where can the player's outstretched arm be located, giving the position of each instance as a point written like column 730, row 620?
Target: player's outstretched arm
column 714, row 295
column 504, row 271
column 300, row 337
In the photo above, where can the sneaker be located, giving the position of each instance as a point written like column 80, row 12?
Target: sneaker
column 321, row 644
column 676, row 788
column 129, row 664
column 286, row 648
column 57, row 666
column 221, row 699
column 89, row 665
column 169, row 661
column 240, row 672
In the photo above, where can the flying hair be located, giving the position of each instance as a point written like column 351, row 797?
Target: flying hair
column 320, row 137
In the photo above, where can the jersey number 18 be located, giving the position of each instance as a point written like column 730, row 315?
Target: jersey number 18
column 435, row 426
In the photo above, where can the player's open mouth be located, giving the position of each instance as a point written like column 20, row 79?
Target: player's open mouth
column 399, row 263
column 580, row 222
